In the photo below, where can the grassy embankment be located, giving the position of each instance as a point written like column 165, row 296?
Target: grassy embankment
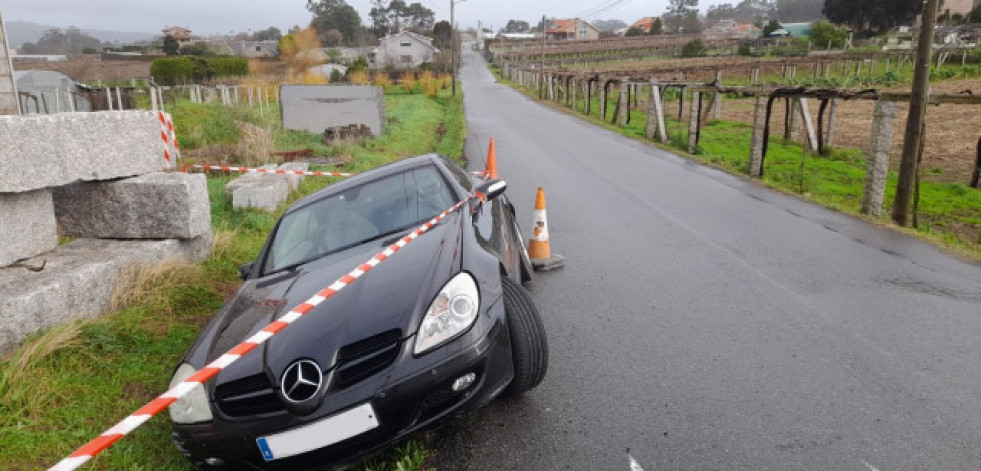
column 949, row 214
column 67, row 385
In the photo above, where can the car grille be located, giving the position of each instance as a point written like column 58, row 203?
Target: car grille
column 360, row 360
column 256, row 395
column 251, row 395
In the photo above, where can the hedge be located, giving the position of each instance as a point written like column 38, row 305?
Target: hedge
column 193, row 69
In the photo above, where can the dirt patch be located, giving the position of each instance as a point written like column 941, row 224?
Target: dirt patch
column 138, row 391
column 952, row 130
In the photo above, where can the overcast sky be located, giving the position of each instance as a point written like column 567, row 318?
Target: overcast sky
column 223, row 16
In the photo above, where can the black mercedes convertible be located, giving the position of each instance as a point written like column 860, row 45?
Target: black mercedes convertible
column 441, row 328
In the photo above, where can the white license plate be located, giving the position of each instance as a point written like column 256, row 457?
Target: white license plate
column 319, row 434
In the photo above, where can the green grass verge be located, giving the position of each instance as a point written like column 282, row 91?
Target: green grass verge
column 67, row 385
column 949, row 213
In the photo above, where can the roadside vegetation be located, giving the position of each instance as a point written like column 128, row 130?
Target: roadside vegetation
column 949, row 213
column 68, row 384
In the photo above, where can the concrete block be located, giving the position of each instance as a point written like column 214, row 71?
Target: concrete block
column 877, row 166
column 246, row 179
column 266, row 194
column 77, row 281
column 152, row 206
column 315, row 108
column 54, row 150
column 294, row 180
column 27, row 225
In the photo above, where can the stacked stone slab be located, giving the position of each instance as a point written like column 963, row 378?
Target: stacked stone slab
column 27, row 225
column 39, row 153
column 98, row 176
column 43, row 151
column 152, row 206
column 265, row 191
column 77, row 281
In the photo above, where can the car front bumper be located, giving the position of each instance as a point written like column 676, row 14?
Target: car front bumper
column 419, row 401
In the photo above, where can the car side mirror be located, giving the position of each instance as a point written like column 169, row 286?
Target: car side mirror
column 245, row 270
column 490, row 189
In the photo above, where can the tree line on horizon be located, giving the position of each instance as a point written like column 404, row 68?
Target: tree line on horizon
column 865, row 17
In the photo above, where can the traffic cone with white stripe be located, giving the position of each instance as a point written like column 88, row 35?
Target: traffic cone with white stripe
column 539, row 250
column 491, row 171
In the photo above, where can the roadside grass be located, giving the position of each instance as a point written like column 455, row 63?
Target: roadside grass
column 66, row 385
column 949, row 214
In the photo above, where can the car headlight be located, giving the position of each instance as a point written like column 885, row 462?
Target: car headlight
column 453, row 311
column 193, row 407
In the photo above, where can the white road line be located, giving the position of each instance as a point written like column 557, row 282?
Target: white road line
column 634, row 465
column 867, row 465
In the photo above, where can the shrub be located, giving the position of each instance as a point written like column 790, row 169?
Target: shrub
column 172, row 71
column 228, row 66
column 179, row 70
column 823, row 34
column 382, row 80
column 358, row 77
column 428, row 83
column 695, row 48
column 409, row 82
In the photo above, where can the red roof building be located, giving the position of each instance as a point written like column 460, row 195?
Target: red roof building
column 571, row 29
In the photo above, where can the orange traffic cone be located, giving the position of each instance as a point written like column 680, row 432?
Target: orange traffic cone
column 491, row 171
column 538, row 247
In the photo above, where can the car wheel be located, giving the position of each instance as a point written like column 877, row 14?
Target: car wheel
column 529, row 347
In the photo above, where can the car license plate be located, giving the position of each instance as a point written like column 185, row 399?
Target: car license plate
column 319, row 434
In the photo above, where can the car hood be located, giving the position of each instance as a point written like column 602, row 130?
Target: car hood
column 394, row 295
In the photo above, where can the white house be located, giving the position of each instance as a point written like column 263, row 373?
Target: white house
column 403, row 50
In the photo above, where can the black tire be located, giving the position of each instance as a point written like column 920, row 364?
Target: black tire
column 529, row 346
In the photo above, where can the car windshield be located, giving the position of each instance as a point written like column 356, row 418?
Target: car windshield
column 358, row 215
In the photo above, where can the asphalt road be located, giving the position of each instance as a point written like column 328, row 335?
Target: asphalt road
column 704, row 322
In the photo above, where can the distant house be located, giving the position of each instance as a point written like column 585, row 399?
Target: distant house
column 571, row 29
column 256, row 49
column 746, row 31
column 645, row 23
column 249, row 49
column 517, row 36
column 348, row 55
column 722, row 26
column 797, row 29
column 958, row 6
column 181, row 34
column 403, row 50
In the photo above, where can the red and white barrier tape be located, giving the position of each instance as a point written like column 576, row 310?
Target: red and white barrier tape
column 483, row 173
column 276, row 171
column 154, row 407
column 168, row 135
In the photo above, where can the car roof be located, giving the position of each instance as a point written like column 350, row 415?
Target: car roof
column 383, row 171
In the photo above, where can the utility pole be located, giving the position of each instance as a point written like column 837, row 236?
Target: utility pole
column 917, row 115
column 541, row 88
column 453, row 44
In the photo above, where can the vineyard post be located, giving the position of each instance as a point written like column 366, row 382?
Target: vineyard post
column 917, row 116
